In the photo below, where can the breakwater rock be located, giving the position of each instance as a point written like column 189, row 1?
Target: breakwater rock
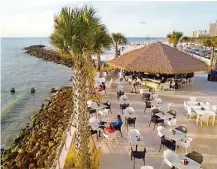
column 48, row 55
column 35, row 146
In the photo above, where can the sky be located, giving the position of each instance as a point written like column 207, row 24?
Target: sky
column 34, row 18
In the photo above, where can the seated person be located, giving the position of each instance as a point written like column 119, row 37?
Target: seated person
column 100, row 89
column 109, row 130
column 117, row 124
column 103, row 86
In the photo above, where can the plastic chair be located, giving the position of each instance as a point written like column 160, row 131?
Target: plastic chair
column 214, row 108
column 204, row 118
column 207, row 103
column 133, row 133
column 148, row 105
column 189, row 112
column 172, row 112
column 159, row 128
column 168, row 143
column 155, row 119
column 146, row 96
column 195, row 156
column 182, row 129
column 131, row 121
column 137, row 155
column 169, row 157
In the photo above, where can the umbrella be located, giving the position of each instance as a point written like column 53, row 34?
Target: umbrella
column 158, row 58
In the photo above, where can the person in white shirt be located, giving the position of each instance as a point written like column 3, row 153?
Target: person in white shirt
column 120, row 76
column 133, row 89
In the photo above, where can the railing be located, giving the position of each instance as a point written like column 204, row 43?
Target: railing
column 62, row 149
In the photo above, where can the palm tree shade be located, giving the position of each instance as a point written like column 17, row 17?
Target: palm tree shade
column 118, row 39
column 174, row 38
column 74, row 36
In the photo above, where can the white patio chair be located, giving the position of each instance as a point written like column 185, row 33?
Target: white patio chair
column 204, row 118
column 170, row 123
column 147, row 167
column 165, row 86
column 132, row 134
column 207, row 103
column 123, row 98
column 120, row 88
column 159, row 129
column 185, row 143
column 214, row 108
column 129, row 112
column 189, row 112
column 193, row 99
column 169, row 158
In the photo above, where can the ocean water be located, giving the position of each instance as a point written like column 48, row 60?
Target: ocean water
column 23, row 72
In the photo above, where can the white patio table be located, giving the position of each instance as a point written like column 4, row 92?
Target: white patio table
column 197, row 109
column 178, row 163
column 167, row 132
column 164, row 116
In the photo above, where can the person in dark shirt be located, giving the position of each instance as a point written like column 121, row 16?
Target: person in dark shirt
column 118, row 123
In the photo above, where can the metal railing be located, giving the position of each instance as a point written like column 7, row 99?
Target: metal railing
column 63, row 143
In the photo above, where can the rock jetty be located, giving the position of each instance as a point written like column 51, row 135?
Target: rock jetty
column 35, row 146
column 46, row 54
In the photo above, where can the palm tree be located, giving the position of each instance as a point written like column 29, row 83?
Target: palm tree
column 74, row 35
column 118, row 39
column 174, row 38
column 213, row 59
column 102, row 42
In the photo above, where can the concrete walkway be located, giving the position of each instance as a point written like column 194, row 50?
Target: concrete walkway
column 116, row 154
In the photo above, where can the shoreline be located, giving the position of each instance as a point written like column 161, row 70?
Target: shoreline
column 40, row 51
column 36, row 144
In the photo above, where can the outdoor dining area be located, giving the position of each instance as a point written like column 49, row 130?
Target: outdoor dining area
column 139, row 126
column 163, row 120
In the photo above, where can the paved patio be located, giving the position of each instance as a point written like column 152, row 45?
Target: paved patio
column 116, row 154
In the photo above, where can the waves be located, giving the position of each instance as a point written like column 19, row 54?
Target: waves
column 16, row 102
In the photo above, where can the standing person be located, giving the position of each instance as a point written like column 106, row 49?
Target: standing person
column 120, row 76
column 133, row 89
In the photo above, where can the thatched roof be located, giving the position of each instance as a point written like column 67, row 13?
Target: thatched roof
column 158, row 58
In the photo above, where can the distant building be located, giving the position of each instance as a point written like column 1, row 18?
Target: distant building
column 199, row 33
column 213, row 29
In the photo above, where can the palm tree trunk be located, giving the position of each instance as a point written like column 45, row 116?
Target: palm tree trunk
column 213, row 59
column 80, row 92
column 116, row 50
column 98, row 62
